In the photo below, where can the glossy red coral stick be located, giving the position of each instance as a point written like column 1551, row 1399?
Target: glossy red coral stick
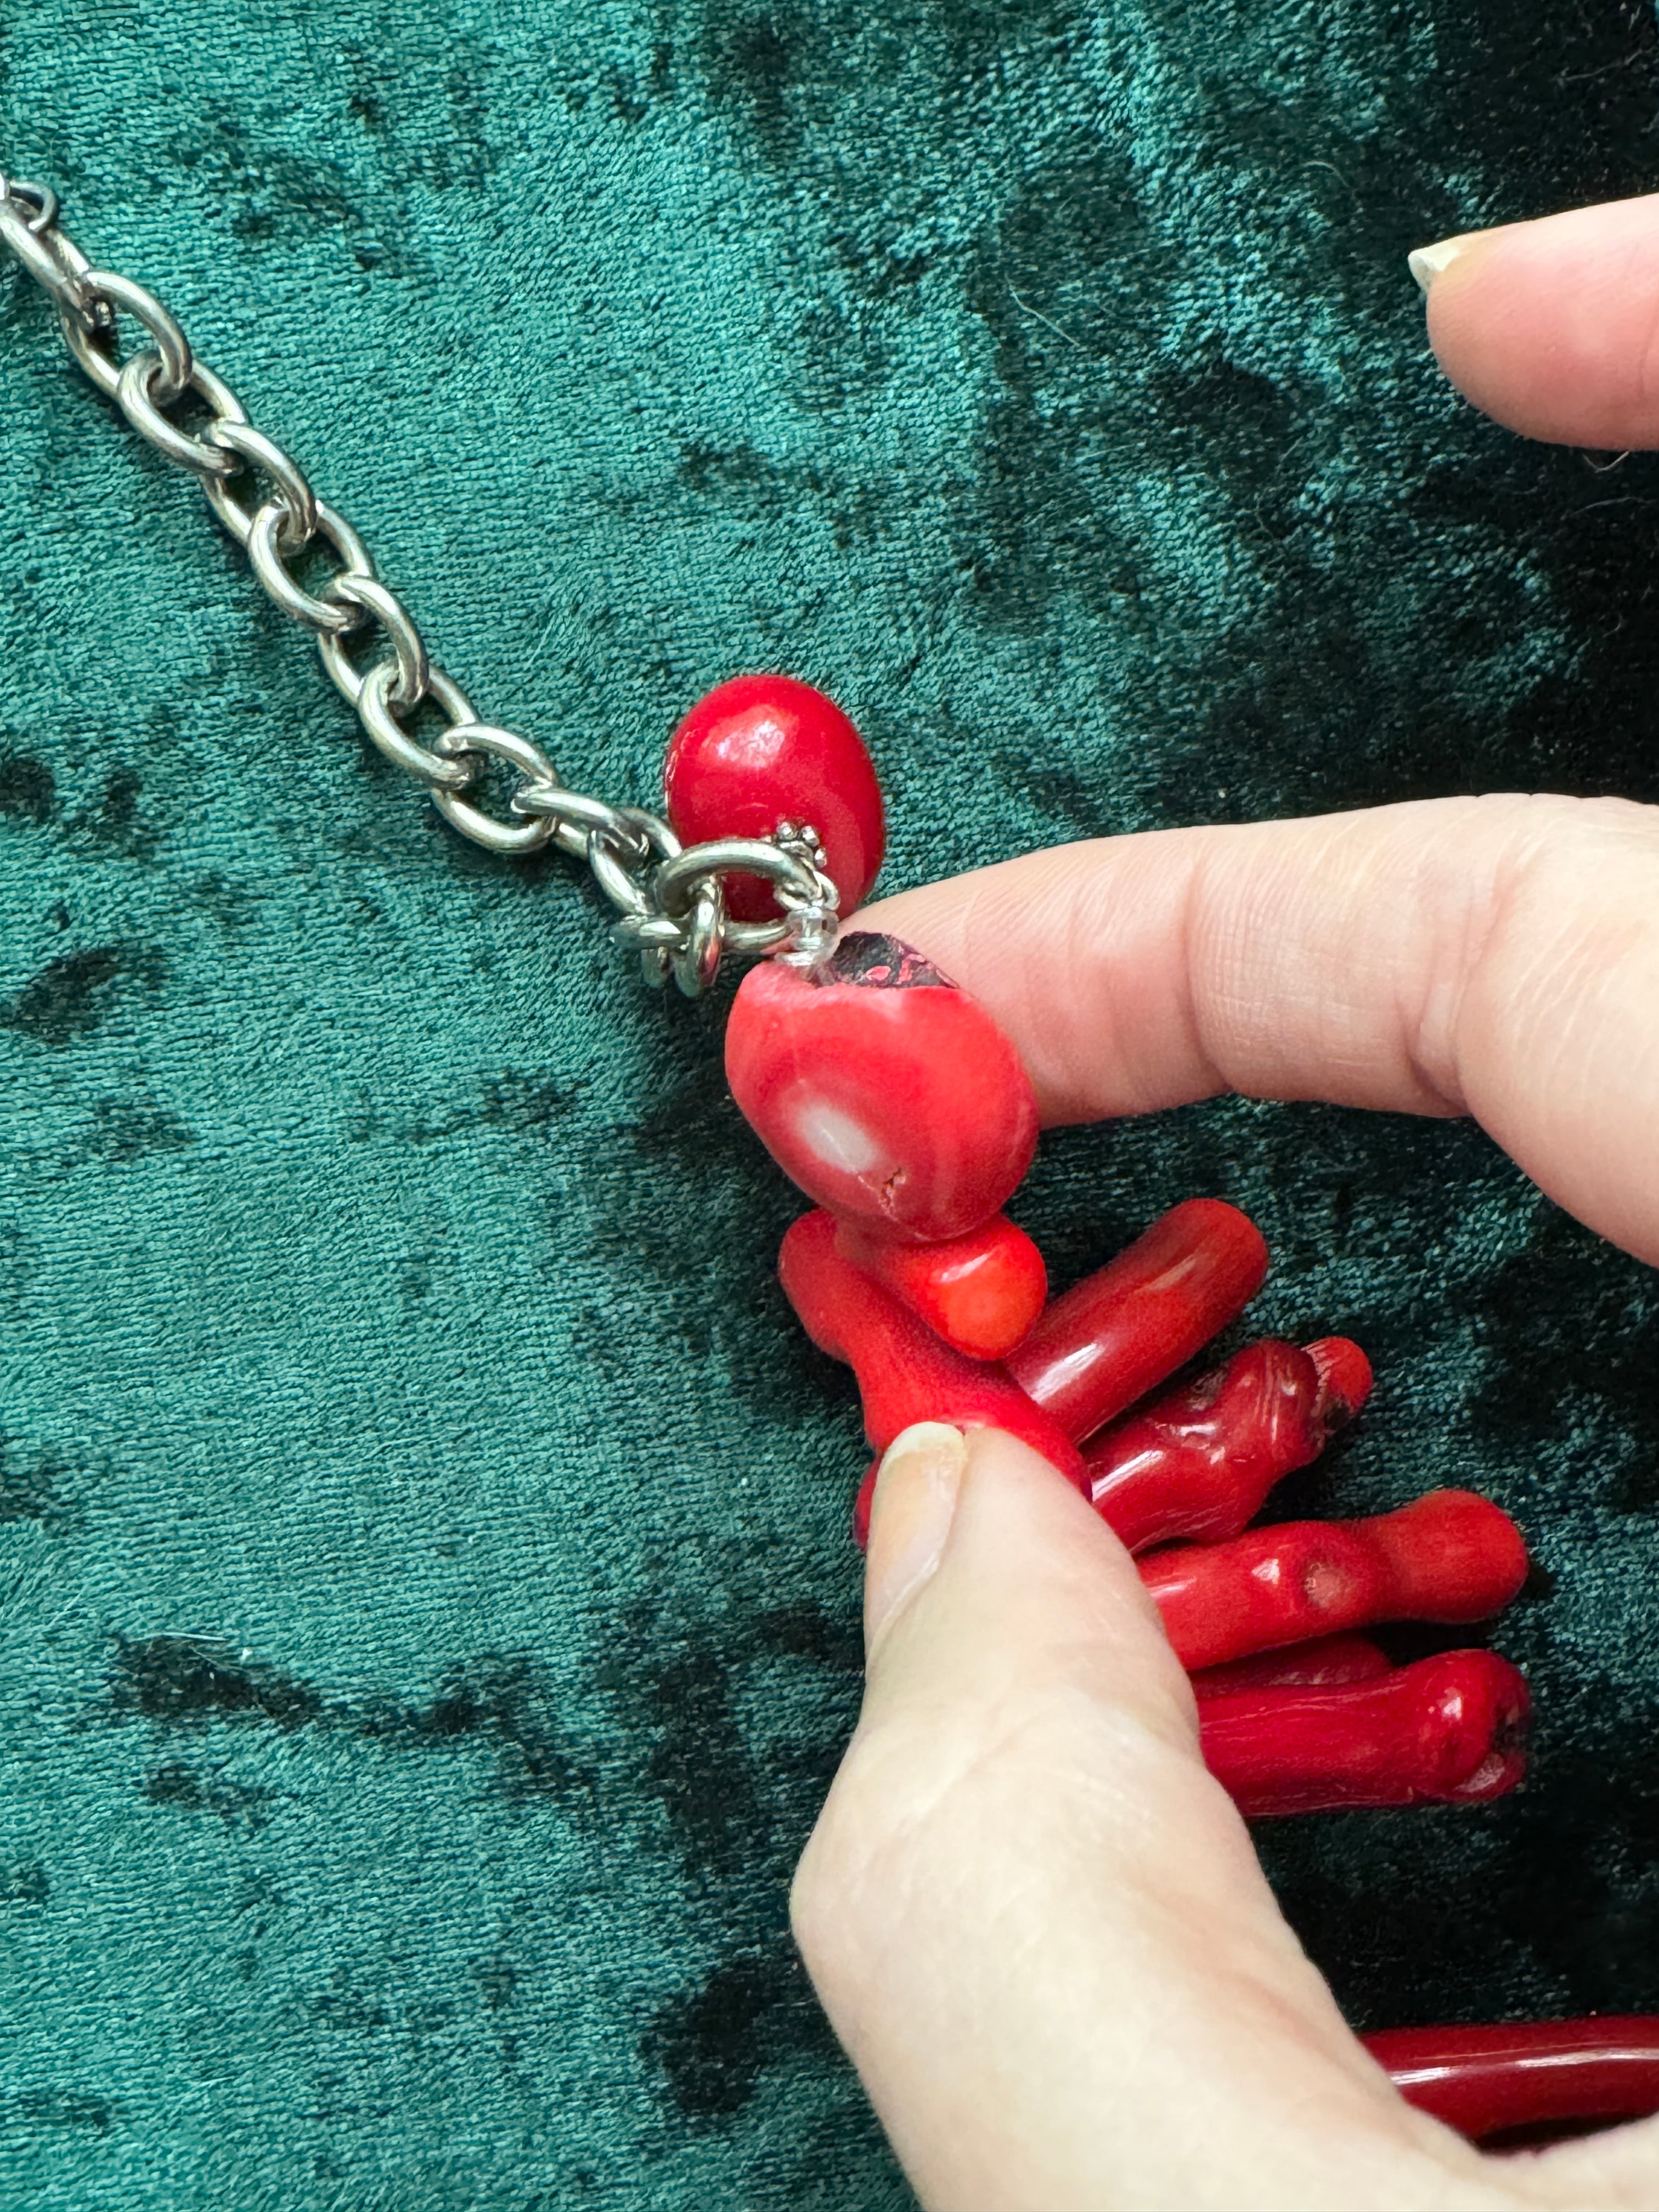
column 1448, row 1557
column 980, row 1293
column 1526, row 2074
column 1320, row 1665
column 1448, row 1730
column 1197, row 1464
column 1124, row 1330
column 905, row 1373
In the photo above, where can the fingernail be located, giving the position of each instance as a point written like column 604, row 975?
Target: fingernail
column 910, row 1517
column 1430, row 261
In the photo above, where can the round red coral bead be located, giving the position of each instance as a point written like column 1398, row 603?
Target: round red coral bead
column 763, row 750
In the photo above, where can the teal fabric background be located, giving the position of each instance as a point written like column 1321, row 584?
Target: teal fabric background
column 428, row 1621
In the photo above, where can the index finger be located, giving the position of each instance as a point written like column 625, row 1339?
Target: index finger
column 1496, row 956
column 1550, row 326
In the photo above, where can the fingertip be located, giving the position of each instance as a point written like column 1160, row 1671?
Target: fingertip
column 1550, row 326
column 911, row 1509
column 1023, row 1589
column 1428, row 262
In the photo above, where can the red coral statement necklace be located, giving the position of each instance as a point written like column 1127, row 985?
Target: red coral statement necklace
column 892, row 1099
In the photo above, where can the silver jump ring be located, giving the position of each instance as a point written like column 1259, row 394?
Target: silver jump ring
column 132, row 396
column 474, row 739
column 102, row 287
column 374, row 711
column 265, row 559
column 252, row 448
column 698, row 961
column 750, row 937
column 659, row 930
column 414, row 669
column 750, row 855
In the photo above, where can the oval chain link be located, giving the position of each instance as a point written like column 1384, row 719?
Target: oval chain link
column 670, row 902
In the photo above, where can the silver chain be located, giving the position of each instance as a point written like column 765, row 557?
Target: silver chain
column 672, row 901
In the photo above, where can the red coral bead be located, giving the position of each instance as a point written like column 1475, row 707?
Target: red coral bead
column 1326, row 1664
column 980, row 1293
column 1121, row 1330
column 1449, row 1556
column 905, row 1373
column 1196, row 1465
column 890, row 1097
column 763, row 750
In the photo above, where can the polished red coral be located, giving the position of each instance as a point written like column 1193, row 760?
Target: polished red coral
column 1198, row 1462
column 905, row 1373
column 980, row 1293
column 1449, row 1557
column 1126, row 1328
column 1528, row 2078
column 890, row 1097
column 1322, row 1664
column 1449, row 1730
column 760, row 750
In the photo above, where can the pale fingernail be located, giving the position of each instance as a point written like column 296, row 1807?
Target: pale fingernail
column 1431, row 261
column 910, row 1517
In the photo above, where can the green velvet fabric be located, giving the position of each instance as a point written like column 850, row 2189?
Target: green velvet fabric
column 429, row 1622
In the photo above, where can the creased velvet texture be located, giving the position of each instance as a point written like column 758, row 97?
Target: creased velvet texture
column 429, row 1620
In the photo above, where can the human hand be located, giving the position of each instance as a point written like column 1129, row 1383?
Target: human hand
column 1034, row 1919
column 1551, row 326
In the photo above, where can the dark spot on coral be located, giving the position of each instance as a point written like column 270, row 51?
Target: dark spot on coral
column 882, row 962
column 712, row 2043
column 182, row 1683
column 25, row 1883
column 243, row 1806
column 73, row 993
column 26, row 788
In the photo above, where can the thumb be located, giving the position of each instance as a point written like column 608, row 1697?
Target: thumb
column 1035, row 1921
